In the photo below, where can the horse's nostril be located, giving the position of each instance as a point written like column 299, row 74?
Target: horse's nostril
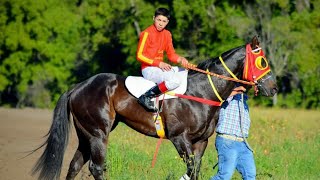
column 274, row 90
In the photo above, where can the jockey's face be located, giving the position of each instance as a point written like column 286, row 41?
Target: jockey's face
column 160, row 22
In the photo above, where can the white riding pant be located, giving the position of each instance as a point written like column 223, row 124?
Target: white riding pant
column 156, row 75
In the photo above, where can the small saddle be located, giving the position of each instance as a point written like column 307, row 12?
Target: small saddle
column 137, row 85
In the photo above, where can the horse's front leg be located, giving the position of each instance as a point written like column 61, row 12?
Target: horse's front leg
column 184, row 148
column 198, row 151
column 191, row 154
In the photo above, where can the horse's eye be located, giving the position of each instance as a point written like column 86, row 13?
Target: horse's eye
column 261, row 63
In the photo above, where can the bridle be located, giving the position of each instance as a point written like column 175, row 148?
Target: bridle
column 253, row 73
column 253, row 69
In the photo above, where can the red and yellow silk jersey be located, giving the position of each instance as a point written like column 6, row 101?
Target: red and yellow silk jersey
column 152, row 45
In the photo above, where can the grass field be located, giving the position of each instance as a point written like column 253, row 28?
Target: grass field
column 286, row 144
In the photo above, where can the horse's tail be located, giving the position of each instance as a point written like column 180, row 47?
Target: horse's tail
column 50, row 163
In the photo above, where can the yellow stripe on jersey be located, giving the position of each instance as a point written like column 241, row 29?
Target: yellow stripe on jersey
column 141, row 47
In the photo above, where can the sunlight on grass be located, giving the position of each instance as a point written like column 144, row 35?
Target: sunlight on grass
column 286, row 144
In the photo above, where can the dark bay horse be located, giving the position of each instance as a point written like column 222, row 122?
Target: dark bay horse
column 102, row 101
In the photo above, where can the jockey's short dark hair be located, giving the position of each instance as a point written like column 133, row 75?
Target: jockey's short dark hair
column 162, row 11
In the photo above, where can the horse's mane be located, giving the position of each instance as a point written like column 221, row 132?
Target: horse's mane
column 209, row 62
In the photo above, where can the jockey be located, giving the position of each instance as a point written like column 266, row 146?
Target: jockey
column 153, row 42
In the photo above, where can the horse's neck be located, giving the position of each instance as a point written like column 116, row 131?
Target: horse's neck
column 235, row 64
column 199, row 84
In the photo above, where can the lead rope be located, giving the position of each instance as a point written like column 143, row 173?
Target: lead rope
column 194, row 67
column 241, row 123
column 241, row 127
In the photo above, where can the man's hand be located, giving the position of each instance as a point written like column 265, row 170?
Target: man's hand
column 183, row 61
column 164, row 66
column 238, row 90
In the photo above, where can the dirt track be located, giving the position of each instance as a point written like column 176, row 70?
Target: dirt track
column 21, row 130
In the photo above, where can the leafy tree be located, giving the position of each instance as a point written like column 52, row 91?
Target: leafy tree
column 39, row 46
column 47, row 46
column 204, row 29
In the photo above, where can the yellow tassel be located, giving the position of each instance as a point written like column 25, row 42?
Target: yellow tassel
column 159, row 125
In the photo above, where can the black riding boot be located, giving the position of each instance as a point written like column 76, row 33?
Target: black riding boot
column 145, row 99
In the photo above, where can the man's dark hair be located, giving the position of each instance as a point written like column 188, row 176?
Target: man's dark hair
column 162, row 11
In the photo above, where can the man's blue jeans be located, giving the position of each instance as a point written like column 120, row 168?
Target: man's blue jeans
column 234, row 155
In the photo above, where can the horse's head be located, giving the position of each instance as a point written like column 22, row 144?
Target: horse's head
column 244, row 63
column 257, row 69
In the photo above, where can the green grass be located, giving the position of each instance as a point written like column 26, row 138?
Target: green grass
column 286, row 144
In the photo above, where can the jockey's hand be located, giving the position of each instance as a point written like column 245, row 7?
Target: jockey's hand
column 183, row 61
column 238, row 90
column 164, row 66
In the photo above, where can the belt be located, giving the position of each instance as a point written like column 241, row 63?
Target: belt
column 234, row 138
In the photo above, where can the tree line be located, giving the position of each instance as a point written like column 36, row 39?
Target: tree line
column 49, row 45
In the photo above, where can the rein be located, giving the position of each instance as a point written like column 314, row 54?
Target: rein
column 200, row 100
column 235, row 79
column 207, row 101
column 242, row 123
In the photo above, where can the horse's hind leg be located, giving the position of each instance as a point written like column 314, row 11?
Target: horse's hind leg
column 80, row 157
column 95, row 149
column 98, row 151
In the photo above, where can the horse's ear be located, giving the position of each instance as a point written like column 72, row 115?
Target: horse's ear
column 255, row 42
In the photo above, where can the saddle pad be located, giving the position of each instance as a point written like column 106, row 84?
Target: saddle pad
column 137, row 85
